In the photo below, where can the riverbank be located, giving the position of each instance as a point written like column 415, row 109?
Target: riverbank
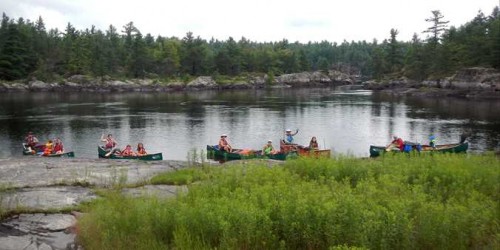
column 439, row 201
column 474, row 83
column 40, row 197
column 84, row 83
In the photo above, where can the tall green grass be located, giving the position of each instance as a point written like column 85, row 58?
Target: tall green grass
column 400, row 202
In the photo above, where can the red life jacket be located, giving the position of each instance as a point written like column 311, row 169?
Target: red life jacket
column 110, row 143
column 58, row 147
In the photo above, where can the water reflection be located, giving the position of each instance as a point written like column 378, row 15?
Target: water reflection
column 174, row 123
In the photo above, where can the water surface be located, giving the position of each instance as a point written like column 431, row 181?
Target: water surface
column 175, row 123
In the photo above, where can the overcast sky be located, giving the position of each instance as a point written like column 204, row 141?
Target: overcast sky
column 257, row 20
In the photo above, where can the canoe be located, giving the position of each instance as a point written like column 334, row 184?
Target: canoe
column 149, row 157
column 316, row 153
column 213, row 152
column 284, row 147
column 39, row 151
column 445, row 148
column 281, row 156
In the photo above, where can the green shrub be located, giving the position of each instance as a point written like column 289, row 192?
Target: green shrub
column 399, row 202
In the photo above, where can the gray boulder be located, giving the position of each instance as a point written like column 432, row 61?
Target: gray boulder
column 202, row 82
column 39, row 85
column 80, row 79
column 476, row 79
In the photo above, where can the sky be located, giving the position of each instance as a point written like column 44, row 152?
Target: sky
column 256, row 20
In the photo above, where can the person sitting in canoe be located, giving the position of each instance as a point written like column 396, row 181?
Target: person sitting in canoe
column 48, row 148
column 396, row 143
column 31, row 140
column 269, row 149
column 58, row 147
column 432, row 141
column 313, row 144
column 110, row 145
column 128, row 151
column 223, row 144
column 289, row 136
column 141, row 150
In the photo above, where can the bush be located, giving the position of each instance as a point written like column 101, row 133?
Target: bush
column 400, row 202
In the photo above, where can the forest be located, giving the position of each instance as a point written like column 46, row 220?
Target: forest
column 28, row 50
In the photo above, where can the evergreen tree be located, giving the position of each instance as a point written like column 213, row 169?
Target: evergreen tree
column 14, row 57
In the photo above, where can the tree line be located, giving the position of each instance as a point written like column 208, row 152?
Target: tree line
column 28, row 49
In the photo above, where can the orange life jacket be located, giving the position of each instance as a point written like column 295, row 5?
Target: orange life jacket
column 48, row 149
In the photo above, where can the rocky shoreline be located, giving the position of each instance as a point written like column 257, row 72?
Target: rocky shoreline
column 106, row 84
column 466, row 83
column 40, row 195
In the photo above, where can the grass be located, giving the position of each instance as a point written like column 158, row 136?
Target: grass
column 179, row 177
column 397, row 202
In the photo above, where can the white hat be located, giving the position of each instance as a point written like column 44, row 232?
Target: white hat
column 288, row 130
column 269, row 141
column 223, row 135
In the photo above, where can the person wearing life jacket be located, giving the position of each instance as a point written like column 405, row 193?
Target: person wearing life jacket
column 111, row 144
column 432, row 141
column 289, row 136
column 128, row 151
column 223, row 144
column 48, row 148
column 268, row 149
column 141, row 150
column 31, row 140
column 313, row 144
column 58, row 148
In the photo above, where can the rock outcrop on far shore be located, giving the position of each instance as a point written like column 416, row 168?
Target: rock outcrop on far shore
column 106, row 84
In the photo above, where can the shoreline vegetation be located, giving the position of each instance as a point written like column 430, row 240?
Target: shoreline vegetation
column 34, row 58
column 440, row 201
column 469, row 83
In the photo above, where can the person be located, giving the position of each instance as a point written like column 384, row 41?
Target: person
column 269, row 149
column 396, row 143
column 48, row 148
column 223, row 144
column 432, row 141
column 58, row 148
column 313, row 144
column 31, row 140
column 141, row 150
column 289, row 136
column 110, row 145
column 128, row 151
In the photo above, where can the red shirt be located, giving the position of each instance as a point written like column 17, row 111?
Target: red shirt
column 400, row 143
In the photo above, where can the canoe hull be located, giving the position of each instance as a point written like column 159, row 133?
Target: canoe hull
column 149, row 157
column 446, row 148
column 238, row 154
column 316, row 153
column 39, row 152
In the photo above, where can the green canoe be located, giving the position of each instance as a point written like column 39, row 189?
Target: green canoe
column 213, row 152
column 39, row 152
column 149, row 157
column 445, row 148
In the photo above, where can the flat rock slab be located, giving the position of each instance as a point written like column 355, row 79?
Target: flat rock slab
column 160, row 191
column 38, row 231
column 39, row 172
column 45, row 197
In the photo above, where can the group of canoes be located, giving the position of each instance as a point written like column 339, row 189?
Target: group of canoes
column 55, row 148
column 288, row 149
column 224, row 151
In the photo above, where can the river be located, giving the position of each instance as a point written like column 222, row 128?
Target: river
column 346, row 121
